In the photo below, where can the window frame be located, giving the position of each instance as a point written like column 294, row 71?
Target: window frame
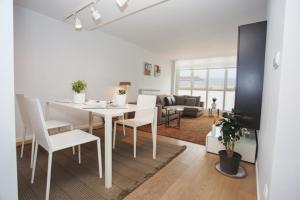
column 206, row 88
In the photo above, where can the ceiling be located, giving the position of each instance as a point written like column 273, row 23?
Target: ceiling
column 175, row 29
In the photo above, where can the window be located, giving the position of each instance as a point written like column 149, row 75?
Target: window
column 231, row 78
column 199, row 79
column 216, row 79
column 229, row 99
column 208, row 83
column 184, row 92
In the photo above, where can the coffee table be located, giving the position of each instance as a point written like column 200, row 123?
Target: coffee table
column 178, row 111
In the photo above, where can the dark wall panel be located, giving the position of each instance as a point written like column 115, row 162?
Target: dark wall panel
column 250, row 71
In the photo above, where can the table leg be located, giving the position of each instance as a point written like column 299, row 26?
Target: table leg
column 108, row 151
column 154, row 133
column 179, row 118
column 167, row 119
column 90, row 122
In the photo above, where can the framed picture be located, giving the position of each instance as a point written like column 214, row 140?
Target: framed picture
column 147, row 69
column 157, row 70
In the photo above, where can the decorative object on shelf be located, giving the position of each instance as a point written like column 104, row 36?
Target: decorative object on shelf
column 231, row 131
column 120, row 98
column 214, row 105
column 157, row 70
column 147, row 69
column 79, row 87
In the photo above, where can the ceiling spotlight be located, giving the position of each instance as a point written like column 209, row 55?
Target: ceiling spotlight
column 121, row 3
column 78, row 24
column 95, row 13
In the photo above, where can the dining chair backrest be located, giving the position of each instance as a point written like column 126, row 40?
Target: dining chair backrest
column 22, row 107
column 37, row 122
column 147, row 104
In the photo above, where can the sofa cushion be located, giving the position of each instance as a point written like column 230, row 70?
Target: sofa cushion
column 169, row 101
column 180, row 100
column 161, row 99
column 190, row 101
column 198, row 99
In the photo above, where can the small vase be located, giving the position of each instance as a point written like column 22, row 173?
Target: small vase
column 120, row 99
column 79, row 98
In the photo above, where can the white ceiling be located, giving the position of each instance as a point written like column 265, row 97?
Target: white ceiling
column 176, row 29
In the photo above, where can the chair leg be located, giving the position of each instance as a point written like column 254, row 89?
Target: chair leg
column 34, row 162
column 134, row 142
column 114, row 135
column 99, row 158
column 73, row 149
column 124, row 133
column 23, row 142
column 79, row 154
column 154, row 138
column 32, row 150
column 48, row 175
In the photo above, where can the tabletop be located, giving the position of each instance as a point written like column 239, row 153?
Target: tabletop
column 95, row 108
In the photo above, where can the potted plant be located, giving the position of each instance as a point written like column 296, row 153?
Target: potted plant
column 79, row 87
column 120, row 98
column 214, row 105
column 230, row 133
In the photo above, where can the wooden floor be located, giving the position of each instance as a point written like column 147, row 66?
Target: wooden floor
column 192, row 176
column 73, row 181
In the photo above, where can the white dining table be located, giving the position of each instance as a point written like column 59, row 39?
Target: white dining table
column 107, row 114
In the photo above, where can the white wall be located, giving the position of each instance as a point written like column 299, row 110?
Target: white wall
column 267, row 132
column 50, row 54
column 8, row 169
column 278, row 157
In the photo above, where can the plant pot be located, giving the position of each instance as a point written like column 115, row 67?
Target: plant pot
column 79, row 98
column 229, row 165
column 120, row 99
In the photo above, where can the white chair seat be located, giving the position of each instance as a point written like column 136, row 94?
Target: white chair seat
column 52, row 124
column 70, row 139
column 147, row 114
column 55, row 142
column 132, row 122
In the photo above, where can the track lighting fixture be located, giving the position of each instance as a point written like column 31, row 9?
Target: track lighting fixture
column 121, row 3
column 95, row 13
column 78, row 24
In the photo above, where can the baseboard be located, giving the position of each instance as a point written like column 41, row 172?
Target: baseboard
column 257, row 181
column 28, row 138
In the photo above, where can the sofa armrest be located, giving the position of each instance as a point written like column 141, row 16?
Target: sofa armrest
column 201, row 104
column 159, row 113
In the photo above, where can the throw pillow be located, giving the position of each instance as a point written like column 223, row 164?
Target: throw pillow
column 190, row 101
column 168, row 101
column 180, row 100
column 173, row 100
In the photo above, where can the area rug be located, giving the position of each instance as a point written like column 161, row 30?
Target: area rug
column 73, row 181
column 191, row 129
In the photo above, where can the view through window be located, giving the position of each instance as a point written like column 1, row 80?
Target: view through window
column 214, row 82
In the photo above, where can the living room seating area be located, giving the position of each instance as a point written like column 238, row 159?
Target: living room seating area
column 192, row 106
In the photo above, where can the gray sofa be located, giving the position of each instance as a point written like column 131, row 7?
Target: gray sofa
column 193, row 107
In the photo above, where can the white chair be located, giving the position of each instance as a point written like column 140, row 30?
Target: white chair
column 50, row 125
column 55, row 142
column 146, row 114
